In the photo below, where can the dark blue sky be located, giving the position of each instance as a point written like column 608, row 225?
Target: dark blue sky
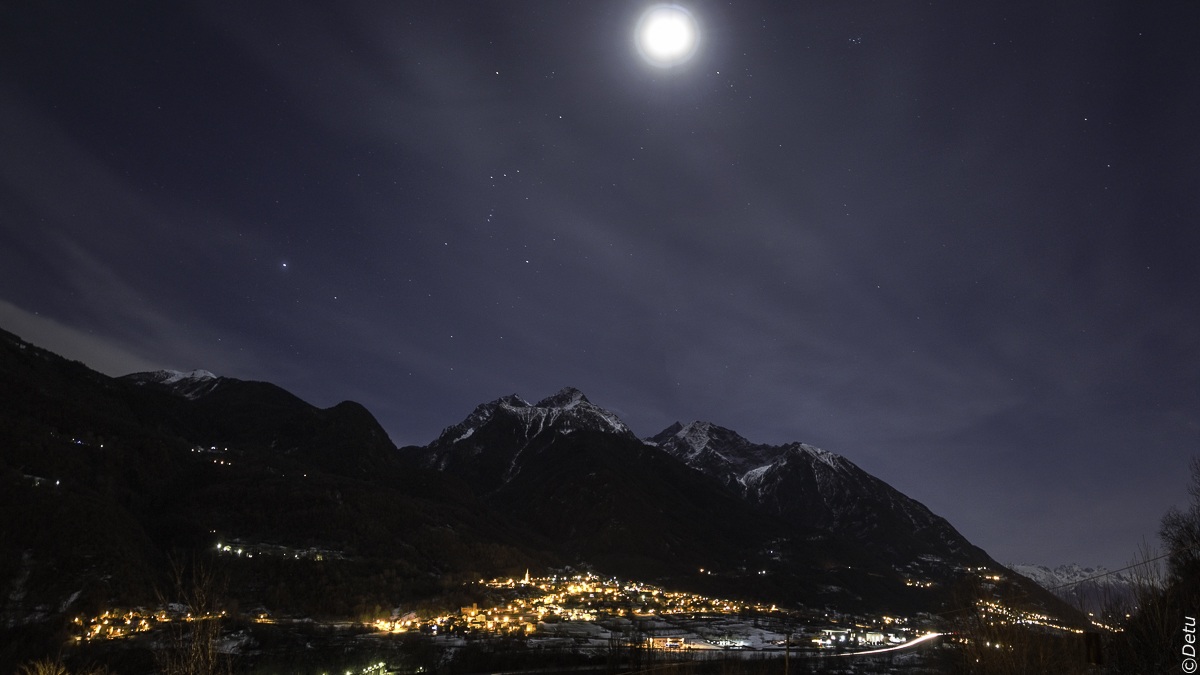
column 953, row 242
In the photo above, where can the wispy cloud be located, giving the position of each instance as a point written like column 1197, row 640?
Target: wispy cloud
column 97, row 352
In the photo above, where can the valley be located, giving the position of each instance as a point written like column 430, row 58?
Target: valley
column 143, row 509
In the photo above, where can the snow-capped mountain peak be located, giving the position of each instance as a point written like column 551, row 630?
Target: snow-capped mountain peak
column 191, row 384
column 565, row 412
column 1091, row 588
column 832, row 460
column 495, row 437
column 173, row 376
column 700, row 435
column 714, row 449
column 813, row 486
column 1072, row 574
column 566, row 398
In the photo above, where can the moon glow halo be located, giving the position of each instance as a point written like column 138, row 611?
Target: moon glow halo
column 667, row 35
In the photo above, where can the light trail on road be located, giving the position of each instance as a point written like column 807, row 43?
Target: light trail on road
column 911, row 643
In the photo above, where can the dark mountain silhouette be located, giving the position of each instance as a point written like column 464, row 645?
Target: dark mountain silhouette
column 259, row 417
column 103, row 478
column 813, row 488
column 791, row 522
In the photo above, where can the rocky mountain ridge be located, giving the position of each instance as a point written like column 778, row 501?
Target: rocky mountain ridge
column 175, row 460
column 823, row 490
column 1093, row 589
column 799, row 512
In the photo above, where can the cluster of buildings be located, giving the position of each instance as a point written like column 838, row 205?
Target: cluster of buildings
column 858, row 636
column 114, row 624
column 585, row 610
column 530, row 604
column 590, row 611
column 242, row 549
column 997, row 614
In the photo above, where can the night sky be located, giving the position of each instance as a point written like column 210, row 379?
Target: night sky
column 955, row 242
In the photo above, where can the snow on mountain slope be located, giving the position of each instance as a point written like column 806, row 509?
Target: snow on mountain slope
column 560, row 461
column 814, row 490
column 495, row 436
column 1093, row 589
column 818, row 489
column 1073, row 574
column 173, row 376
column 192, row 384
column 567, row 411
column 753, row 468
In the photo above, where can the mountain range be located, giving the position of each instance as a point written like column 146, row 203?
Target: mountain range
column 105, row 479
column 1095, row 589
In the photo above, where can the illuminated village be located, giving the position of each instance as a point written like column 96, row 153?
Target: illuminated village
column 115, row 624
column 594, row 617
column 592, row 612
column 584, row 610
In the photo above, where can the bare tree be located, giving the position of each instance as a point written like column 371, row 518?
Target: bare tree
column 55, row 667
column 1146, row 621
column 1180, row 533
column 1147, row 641
column 44, row 667
column 192, row 641
column 994, row 645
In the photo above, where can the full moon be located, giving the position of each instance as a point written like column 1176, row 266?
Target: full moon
column 667, row 35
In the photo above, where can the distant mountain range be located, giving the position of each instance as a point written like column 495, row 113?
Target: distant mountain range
column 103, row 478
column 1093, row 589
